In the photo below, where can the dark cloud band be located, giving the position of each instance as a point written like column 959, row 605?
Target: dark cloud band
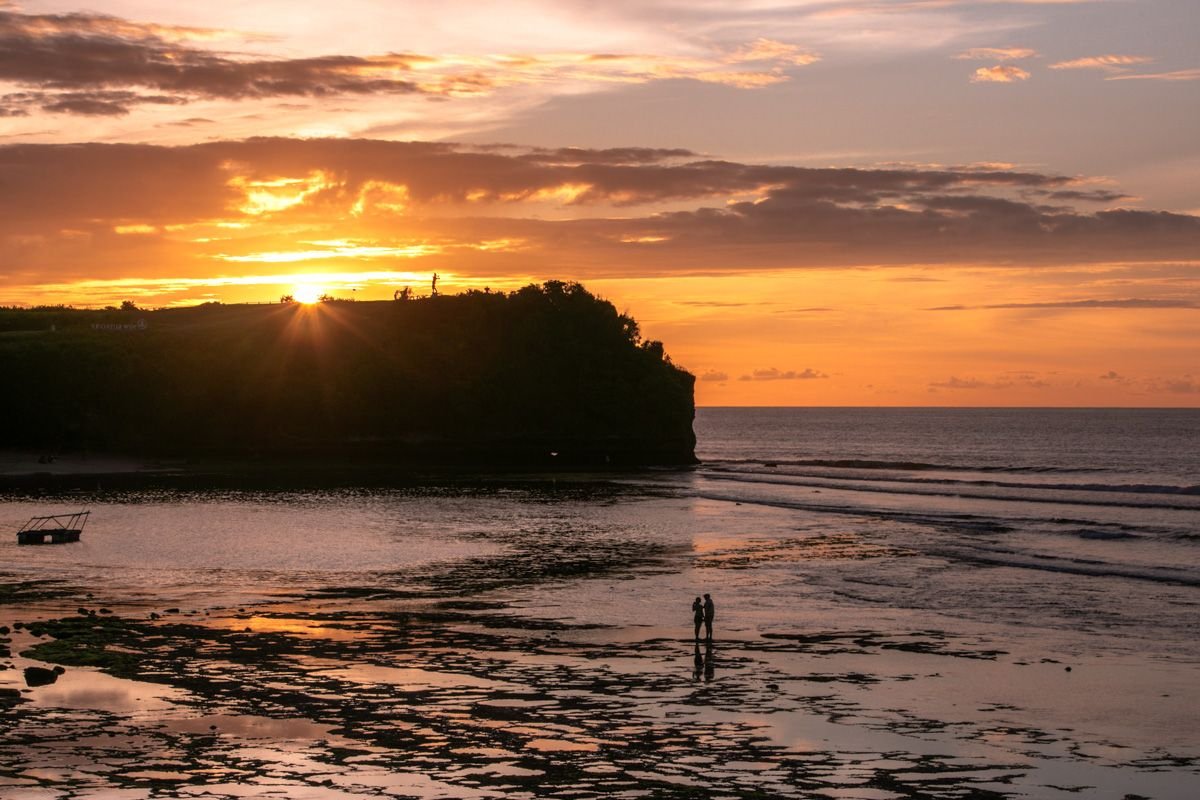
column 395, row 193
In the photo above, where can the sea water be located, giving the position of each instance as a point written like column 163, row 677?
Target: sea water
column 947, row 565
column 1085, row 519
column 1070, row 519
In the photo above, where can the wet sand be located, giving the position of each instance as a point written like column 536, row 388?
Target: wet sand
column 505, row 674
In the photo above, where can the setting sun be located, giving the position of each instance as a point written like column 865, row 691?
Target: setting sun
column 429, row 370
column 307, row 293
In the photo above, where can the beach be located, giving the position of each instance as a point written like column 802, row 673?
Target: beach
column 885, row 628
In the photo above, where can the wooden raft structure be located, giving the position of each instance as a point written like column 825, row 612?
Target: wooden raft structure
column 55, row 529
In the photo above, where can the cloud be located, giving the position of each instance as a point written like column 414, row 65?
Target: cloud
column 572, row 156
column 714, row 303
column 1001, row 73
column 497, row 210
column 1177, row 75
column 996, row 53
column 773, row 374
column 1133, row 302
column 713, row 375
column 88, row 53
column 958, row 383
column 1182, row 386
column 1106, row 62
column 1012, row 380
column 91, row 53
column 1090, row 196
column 770, row 50
column 87, row 103
column 190, row 122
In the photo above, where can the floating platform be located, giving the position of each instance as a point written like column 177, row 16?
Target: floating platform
column 54, row 529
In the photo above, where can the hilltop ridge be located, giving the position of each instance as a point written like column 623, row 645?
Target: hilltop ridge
column 546, row 375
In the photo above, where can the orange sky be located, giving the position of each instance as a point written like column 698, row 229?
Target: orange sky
column 812, row 204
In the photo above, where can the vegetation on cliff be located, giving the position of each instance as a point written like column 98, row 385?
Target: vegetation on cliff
column 544, row 374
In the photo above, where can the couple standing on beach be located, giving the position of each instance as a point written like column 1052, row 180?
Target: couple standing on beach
column 703, row 612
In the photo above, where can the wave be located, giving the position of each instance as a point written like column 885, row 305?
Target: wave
column 1103, row 535
column 1073, row 566
column 981, row 554
column 908, row 466
column 969, row 523
column 930, row 488
column 1133, row 488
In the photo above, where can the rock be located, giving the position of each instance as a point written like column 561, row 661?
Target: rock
column 39, row 676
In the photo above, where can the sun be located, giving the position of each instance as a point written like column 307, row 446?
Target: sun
column 307, row 293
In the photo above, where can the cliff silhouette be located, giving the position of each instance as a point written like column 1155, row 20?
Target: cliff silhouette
column 547, row 375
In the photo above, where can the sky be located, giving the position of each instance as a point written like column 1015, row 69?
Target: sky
column 815, row 202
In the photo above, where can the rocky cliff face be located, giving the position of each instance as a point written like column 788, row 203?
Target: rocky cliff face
column 545, row 375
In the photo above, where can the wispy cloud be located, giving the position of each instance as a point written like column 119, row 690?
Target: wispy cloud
column 1133, row 302
column 1110, row 63
column 97, row 65
column 1186, row 385
column 773, row 374
column 771, row 51
column 1001, row 73
column 1177, row 75
column 329, row 251
column 996, row 53
column 1013, row 380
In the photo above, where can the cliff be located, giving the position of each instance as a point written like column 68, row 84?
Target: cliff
column 547, row 375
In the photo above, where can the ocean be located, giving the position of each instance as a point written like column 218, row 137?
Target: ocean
column 1103, row 503
column 910, row 603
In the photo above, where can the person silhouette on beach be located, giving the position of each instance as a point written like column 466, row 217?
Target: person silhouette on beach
column 697, row 616
column 710, row 611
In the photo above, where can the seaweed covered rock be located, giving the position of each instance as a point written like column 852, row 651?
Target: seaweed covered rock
column 41, row 676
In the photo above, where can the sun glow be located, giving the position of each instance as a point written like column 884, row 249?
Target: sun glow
column 278, row 194
column 307, row 293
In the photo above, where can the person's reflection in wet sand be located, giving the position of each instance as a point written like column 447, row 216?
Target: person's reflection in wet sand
column 708, row 661
column 699, row 664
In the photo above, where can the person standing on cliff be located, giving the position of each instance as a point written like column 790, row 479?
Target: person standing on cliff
column 697, row 616
column 710, row 611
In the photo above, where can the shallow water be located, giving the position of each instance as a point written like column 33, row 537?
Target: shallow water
column 879, row 634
